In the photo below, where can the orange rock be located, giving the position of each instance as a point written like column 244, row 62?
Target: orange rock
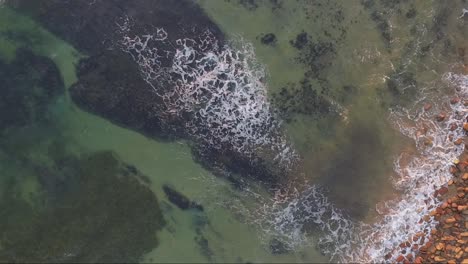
column 458, row 141
column 464, row 234
column 418, row 260
column 450, row 220
column 400, row 258
column 465, row 176
column 465, row 261
column 465, row 127
column 440, row 246
column 439, row 259
column 449, row 238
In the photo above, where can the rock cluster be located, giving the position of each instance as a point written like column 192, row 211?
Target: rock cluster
column 448, row 241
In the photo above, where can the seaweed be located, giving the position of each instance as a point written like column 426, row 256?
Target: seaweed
column 106, row 217
column 30, row 83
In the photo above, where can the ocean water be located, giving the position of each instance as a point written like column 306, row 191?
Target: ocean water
column 347, row 82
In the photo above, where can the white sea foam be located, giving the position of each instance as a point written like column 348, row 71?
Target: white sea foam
column 222, row 88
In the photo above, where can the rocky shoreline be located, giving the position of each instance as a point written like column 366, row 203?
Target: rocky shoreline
column 447, row 242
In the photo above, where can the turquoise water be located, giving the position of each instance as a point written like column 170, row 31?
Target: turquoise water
column 346, row 65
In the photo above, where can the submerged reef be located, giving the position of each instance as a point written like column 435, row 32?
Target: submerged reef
column 29, row 84
column 171, row 80
column 104, row 214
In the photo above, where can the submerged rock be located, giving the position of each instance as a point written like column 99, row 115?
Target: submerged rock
column 179, row 199
column 29, row 84
column 268, row 39
column 105, row 217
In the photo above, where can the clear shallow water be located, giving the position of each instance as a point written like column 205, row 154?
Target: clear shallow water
column 351, row 154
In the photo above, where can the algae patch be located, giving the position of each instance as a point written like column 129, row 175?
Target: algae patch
column 105, row 215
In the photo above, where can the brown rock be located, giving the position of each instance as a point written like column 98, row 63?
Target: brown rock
column 443, row 191
column 418, row 260
column 427, row 107
column 455, row 100
column 465, row 176
column 453, row 126
column 465, row 127
column 441, row 117
column 458, row 141
column 439, row 259
column 453, row 169
column 400, row 258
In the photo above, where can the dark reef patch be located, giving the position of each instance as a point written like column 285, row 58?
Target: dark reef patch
column 268, row 39
column 301, row 100
column 348, row 170
column 29, row 84
column 110, row 82
column 300, row 41
column 105, row 217
column 179, row 199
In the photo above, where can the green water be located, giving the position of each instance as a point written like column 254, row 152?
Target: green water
column 356, row 77
column 163, row 163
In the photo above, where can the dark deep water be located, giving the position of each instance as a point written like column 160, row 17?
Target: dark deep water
column 222, row 131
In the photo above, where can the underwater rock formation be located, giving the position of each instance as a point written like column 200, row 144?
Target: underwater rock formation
column 170, row 80
column 29, row 84
column 179, row 199
column 104, row 216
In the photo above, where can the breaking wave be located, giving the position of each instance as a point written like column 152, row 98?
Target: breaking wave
column 223, row 88
column 291, row 212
